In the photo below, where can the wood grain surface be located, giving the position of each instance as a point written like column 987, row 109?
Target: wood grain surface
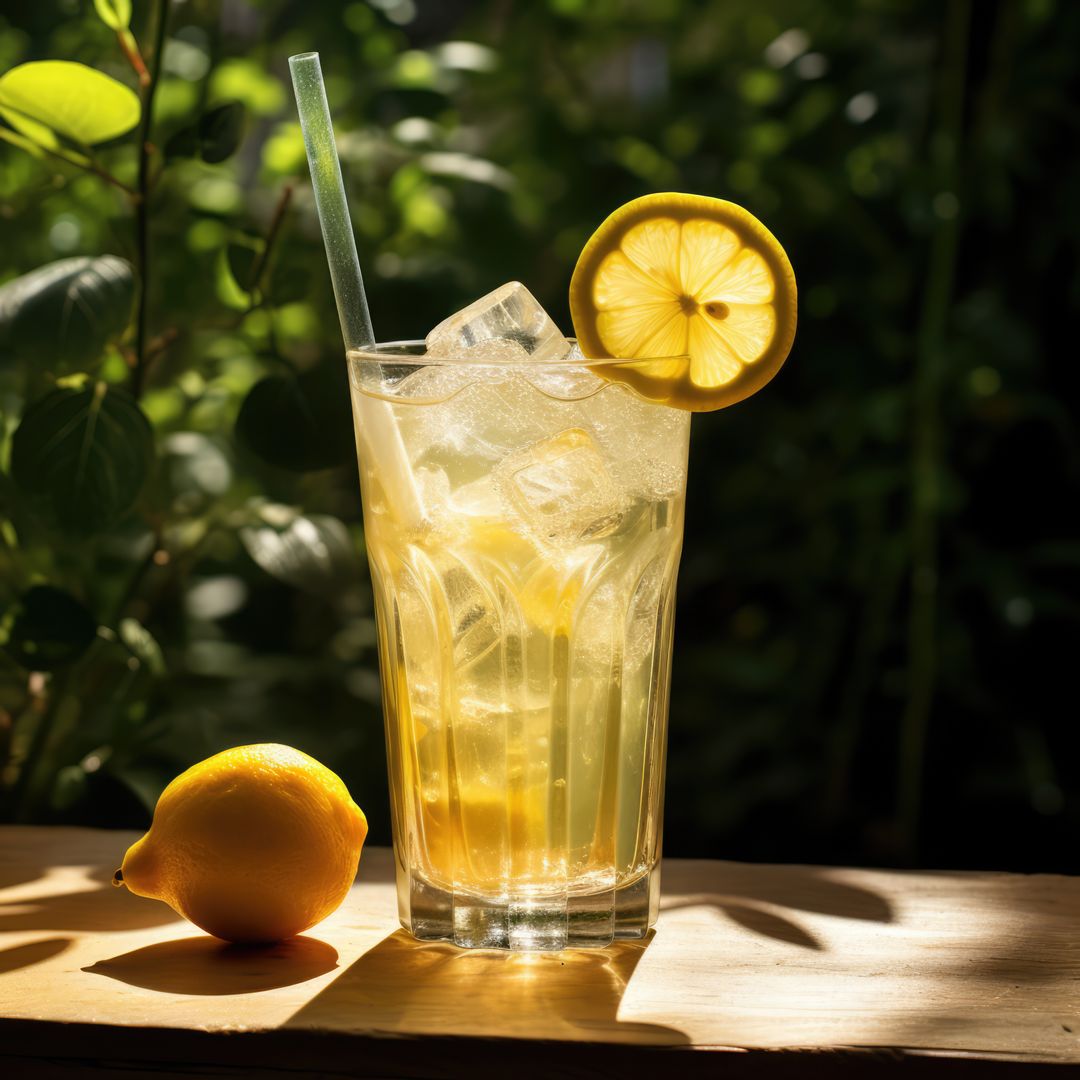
column 811, row 970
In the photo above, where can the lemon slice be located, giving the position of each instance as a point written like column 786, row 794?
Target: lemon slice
column 696, row 280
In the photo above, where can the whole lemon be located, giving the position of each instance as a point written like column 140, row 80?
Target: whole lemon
column 253, row 844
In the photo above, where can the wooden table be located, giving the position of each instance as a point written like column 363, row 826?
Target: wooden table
column 752, row 971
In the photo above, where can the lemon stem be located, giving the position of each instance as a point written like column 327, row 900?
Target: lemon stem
column 118, row 879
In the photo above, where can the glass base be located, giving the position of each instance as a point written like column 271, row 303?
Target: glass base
column 534, row 924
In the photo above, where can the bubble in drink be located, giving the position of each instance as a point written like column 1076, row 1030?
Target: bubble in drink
column 432, row 384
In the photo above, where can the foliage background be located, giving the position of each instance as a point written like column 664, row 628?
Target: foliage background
column 879, row 605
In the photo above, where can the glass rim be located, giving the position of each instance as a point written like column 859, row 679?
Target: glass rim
column 412, row 352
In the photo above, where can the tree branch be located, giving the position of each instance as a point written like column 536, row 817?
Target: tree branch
column 927, row 438
column 142, row 209
column 80, row 161
column 263, row 260
column 130, row 48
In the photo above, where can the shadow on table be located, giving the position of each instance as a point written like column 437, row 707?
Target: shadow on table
column 33, row 952
column 96, row 907
column 739, row 890
column 91, row 911
column 406, row 986
column 205, row 965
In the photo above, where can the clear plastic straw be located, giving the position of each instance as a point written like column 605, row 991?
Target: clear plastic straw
column 322, row 155
column 376, row 427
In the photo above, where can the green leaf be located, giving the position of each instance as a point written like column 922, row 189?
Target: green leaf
column 242, row 258
column 62, row 315
column 115, row 14
column 182, row 144
column 214, row 138
column 46, row 98
column 142, row 645
column 69, row 786
column 22, row 142
column 288, row 283
column 298, row 422
column 314, row 553
column 46, row 628
column 246, row 80
column 34, row 149
column 145, row 782
column 194, row 471
column 80, row 457
column 75, row 381
column 220, row 131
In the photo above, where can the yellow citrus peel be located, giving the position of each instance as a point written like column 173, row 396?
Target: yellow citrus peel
column 254, row 844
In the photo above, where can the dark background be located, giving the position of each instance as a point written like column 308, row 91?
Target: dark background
column 878, row 611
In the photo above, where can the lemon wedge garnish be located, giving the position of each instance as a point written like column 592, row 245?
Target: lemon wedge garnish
column 696, row 280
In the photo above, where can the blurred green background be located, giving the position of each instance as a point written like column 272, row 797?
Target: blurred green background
column 878, row 608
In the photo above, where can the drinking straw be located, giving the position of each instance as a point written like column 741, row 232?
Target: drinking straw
column 376, row 426
column 334, row 220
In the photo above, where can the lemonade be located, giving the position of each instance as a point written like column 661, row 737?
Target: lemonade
column 525, row 619
column 523, row 509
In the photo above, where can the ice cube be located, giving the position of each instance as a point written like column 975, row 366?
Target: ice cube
column 477, row 500
column 433, row 487
column 566, row 381
column 466, row 435
column 469, row 513
column 507, row 324
column 560, row 490
column 475, row 622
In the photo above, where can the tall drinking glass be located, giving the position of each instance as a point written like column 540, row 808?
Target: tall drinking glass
column 524, row 522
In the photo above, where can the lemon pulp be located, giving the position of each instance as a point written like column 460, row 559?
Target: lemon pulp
column 697, row 288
